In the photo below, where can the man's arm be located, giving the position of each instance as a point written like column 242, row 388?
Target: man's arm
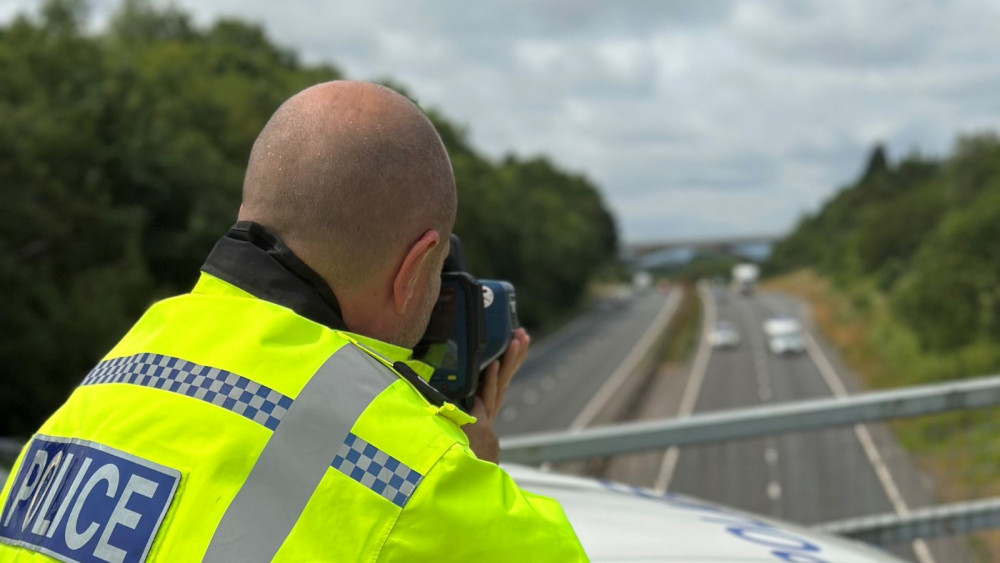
column 467, row 509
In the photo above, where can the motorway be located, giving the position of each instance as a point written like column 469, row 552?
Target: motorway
column 806, row 478
column 557, row 385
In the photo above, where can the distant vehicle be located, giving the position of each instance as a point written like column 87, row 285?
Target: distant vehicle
column 775, row 326
column 621, row 296
column 642, row 281
column 724, row 335
column 745, row 277
column 784, row 336
column 787, row 344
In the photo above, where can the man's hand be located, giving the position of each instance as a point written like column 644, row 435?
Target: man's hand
column 489, row 397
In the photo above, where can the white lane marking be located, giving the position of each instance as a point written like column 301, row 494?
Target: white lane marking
column 836, row 386
column 773, row 490
column 771, row 455
column 625, row 369
column 508, row 414
column 547, row 383
column 691, row 390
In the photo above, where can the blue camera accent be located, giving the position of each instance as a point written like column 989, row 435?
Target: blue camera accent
column 500, row 318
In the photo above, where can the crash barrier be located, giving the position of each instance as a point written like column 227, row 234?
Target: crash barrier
column 980, row 392
column 9, row 449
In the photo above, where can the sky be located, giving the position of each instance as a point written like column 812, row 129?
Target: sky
column 696, row 119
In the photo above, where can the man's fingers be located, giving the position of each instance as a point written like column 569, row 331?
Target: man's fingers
column 489, row 389
column 497, row 376
column 513, row 358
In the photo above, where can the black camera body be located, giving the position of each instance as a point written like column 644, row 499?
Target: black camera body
column 472, row 325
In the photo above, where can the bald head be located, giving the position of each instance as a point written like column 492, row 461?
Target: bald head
column 349, row 174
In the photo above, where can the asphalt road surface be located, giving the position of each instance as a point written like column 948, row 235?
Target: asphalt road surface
column 808, row 477
column 563, row 373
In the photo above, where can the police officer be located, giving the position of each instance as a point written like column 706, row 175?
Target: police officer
column 275, row 411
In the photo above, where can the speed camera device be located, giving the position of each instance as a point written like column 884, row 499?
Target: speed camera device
column 472, row 324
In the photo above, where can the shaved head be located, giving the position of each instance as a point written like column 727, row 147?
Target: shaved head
column 349, row 175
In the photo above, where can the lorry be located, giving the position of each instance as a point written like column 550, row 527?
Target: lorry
column 745, row 277
column 642, row 281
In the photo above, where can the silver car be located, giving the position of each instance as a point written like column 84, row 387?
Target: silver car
column 790, row 343
column 724, row 335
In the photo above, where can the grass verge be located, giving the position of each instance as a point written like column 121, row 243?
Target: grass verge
column 959, row 451
column 682, row 334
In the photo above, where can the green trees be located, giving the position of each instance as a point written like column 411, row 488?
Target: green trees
column 951, row 296
column 925, row 234
column 121, row 162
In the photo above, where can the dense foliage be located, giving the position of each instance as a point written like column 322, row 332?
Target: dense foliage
column 121, row 161
column 920, row 239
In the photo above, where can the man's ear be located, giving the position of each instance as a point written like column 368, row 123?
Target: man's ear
column 418, row 258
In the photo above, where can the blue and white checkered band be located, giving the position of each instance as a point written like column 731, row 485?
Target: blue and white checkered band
column 238, row 394
column 376, row 470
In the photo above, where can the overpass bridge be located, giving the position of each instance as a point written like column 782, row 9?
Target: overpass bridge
column 648, row 253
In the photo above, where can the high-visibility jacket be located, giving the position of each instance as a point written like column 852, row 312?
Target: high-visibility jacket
column 228, row 426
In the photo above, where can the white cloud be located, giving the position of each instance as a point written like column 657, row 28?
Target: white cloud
column 696, row 118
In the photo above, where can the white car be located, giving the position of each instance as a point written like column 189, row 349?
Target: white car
column 790, row 343
column 626, row 523
column 784, row 336
column 724, row 335
column 776, row 326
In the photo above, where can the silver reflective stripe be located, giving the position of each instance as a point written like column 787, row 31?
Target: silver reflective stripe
column 297, row 456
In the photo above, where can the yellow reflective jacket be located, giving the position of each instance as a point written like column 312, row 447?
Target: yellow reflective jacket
column 228, row 427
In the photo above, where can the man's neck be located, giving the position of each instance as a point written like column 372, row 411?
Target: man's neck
column 258, row 262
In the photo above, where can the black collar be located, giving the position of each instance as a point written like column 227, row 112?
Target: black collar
column 256, row 261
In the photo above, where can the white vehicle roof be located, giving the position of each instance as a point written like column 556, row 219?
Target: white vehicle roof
column 746, row 272
column 625, row 523
column 781, row 325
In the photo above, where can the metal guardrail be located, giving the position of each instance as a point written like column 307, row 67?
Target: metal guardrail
column 942, row 520
column 9, row 450
column 795, row 416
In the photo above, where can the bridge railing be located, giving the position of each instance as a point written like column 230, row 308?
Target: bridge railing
column 937, row 444
column 795, row 416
